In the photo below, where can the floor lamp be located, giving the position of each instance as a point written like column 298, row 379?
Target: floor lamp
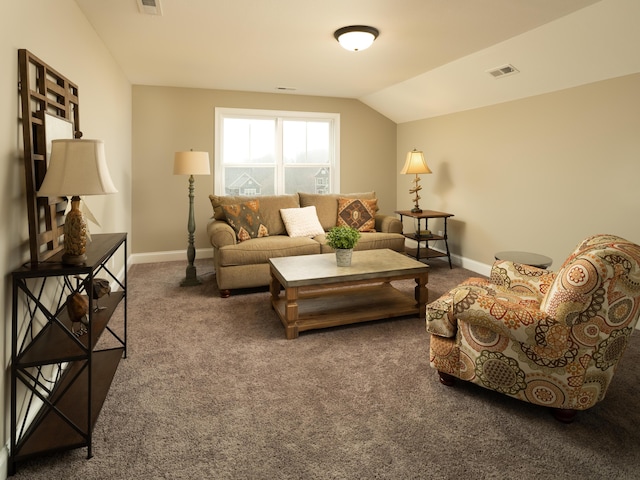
column 191, row 163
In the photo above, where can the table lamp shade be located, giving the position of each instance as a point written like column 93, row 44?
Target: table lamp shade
column 191, row 163
column 415, row 163
column 77, row 167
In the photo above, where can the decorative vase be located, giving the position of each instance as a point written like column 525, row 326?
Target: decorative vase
column 343, row 257
column 75, row 235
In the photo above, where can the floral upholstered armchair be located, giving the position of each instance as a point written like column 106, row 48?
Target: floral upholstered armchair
column 552, row 339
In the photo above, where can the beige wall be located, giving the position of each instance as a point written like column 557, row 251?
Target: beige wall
column 59, row 35
column 538, row 174
column 166, row 120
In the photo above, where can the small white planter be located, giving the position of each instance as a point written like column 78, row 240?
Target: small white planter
column 343, row 257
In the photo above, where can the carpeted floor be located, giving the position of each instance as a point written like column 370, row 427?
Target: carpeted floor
column 211, row 389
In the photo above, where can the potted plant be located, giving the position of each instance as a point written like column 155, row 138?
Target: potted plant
column 342, row 239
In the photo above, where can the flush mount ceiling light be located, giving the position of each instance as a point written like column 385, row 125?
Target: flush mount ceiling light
column 356, row 37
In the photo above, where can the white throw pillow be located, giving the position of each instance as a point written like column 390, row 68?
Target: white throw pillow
column 301, row 222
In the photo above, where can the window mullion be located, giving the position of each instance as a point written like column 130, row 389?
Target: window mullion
column 279, row 153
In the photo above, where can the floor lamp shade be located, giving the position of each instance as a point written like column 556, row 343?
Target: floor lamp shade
column 76, row 167
column 191, row 163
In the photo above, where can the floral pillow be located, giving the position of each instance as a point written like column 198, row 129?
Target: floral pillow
column 358, row 213
column 245, row 219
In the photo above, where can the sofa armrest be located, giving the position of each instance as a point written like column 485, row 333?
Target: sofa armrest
column 388, row 224
column 515, row 276
column 221, row 233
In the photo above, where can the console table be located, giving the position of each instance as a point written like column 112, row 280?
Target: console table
column 59, row 378
column 425, row 252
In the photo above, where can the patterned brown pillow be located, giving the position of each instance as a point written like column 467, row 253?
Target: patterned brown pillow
column 358, row 213
column 245, row 220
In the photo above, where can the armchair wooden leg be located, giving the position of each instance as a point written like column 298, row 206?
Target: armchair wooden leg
column 564, row 415
column 446, row 379
column 225, row 293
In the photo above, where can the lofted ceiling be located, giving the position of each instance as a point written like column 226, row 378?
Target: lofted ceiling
column 430, row 59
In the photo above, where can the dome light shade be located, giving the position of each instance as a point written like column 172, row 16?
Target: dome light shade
column 356, row 37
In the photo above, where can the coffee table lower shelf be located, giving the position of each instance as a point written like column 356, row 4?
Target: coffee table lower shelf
column 314, row 308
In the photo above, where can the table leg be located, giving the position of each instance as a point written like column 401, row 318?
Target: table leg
column 422, row 294
column 291, row 313
column 446, row 242
column 274, row 288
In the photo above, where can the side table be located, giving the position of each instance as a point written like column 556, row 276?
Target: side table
column 426, row 252
column 526, row 258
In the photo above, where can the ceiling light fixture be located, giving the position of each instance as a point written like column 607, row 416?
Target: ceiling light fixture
column 356, row 37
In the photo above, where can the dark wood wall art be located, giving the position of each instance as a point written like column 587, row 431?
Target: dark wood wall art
column 49, row 110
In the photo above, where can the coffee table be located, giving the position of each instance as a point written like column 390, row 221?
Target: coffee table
column 319, row 294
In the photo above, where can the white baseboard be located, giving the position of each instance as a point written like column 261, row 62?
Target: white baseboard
column 170, row 256
column 474, row 266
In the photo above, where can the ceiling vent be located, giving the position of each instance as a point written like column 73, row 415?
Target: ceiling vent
column 149, row 7
column 503, row 71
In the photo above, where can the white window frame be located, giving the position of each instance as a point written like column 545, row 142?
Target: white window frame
column 279, row 115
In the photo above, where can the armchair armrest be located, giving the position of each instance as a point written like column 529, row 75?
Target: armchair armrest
column 221, row 233
column 509, row 317
column 388, row 224
column 524, row 279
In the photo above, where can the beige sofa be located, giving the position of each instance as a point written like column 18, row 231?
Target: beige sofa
column 246, row 264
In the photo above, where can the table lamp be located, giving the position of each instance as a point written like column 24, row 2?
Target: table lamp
column 76, row 167
column 415, row 164
column 191, row 163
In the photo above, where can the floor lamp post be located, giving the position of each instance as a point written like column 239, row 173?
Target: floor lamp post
column 191, row 163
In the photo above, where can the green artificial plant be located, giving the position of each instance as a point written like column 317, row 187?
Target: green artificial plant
column 342, row 237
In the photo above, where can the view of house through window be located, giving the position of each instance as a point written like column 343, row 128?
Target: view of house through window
column 267, row 152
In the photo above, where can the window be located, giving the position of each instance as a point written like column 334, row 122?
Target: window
column 268, row 152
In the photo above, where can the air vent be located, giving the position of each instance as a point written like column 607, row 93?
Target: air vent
column 503, row 71
column 149, row 7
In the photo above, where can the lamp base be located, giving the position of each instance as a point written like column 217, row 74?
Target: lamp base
column 416, row 210
column 70, row 259
column 75, row 235
column 191, row 280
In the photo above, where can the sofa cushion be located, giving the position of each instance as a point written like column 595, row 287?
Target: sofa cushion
column 301, row 222
column 370, row 241
column 357, row 213
column 245, row 220
column 327, row 205
column 260, row 250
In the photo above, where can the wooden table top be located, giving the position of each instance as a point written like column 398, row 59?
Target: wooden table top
column 321, row 269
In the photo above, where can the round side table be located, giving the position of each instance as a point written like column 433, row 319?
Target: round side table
column 526, row 258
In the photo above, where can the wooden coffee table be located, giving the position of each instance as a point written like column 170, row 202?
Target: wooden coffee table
column 319, row 294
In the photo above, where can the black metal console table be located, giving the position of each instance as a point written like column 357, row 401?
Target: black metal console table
column 60, row 378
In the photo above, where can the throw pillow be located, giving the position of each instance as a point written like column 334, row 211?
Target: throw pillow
column 327, row 204
column 357, row 213
column 301, row 222
column 245, row 220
